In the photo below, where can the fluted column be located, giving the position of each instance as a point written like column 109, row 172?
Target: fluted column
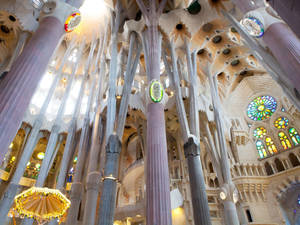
column 21, row 42
column 33, row 138
column 108, row 196
column 158, row 203
column 287, row 10
column 285, row 46
column 197, row 185
column 17, row 88
column 282, row 42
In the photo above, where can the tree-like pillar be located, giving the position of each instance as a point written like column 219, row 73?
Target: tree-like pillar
column 76, row 188
column 197, row 184
column 228, row 189
column 282, row 42
column 108, row 196
column 192, row 145
column 17, row 88
column 158, row 203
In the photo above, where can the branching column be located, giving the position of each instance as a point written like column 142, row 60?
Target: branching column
column 113, row 148
column 192, row 145
column 158, row 207
column 228, row 188
column 76, row 188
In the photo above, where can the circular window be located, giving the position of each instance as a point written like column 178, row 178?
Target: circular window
column 259, row 132
column 261, row 108
column 281, row 123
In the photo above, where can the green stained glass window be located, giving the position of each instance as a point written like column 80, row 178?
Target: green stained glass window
column 281, row 123
column 271, row 146
column 259, row 132
column 294, row 136
column 261, row 108
column 285, row 142
column 261, row 149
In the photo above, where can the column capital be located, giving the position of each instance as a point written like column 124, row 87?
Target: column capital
column 264, row 16
column 191, row 147
column 228, row 192
column 114, row 144
column 58, row 9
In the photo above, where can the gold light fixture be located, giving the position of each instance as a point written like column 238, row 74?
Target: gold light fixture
column 41, row 155
column 38, row 203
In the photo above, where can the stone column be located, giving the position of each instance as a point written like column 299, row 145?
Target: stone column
column 17, row 88
column 76, row 188
column 197, row 184
column 285, row 46
column 231, row 217
column 108, row 196
column 282, row 42
column 21, row 42
column 50, row 153
column 158, row 203
column 93, row 174
column 289, row 11
column 191, row 147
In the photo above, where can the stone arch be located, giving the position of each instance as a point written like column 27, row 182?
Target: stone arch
column 279, row 165
column 294, row 160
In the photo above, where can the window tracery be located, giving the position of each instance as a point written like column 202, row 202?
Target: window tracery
column 264, row 133
column 294, row 136
column 271, row 146
column 285, row 142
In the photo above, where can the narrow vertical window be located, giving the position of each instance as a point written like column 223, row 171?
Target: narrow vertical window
column 285, row 142
column 261, row 149
column 294, row 136
column 270, row 146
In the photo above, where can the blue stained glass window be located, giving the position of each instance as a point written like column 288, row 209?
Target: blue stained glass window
column 261, row 108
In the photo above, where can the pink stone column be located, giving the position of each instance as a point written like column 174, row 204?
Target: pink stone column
column 285, row 46
column 18, row 86
column 282, row 42
column 158, row 205
column 289, row 11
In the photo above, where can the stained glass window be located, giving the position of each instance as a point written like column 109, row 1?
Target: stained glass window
column 261, row 149
column 294, row 135
column 281, row 123
column 271, row 146
column 261, row 108
column 259, row 132
column 284, row 140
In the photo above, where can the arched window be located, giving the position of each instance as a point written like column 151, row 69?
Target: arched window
column 279, row 165
column 294, row 135
column 269, row 169
column 293, row 159
column 285, row 142
column 261, row 149
column 270, row 146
